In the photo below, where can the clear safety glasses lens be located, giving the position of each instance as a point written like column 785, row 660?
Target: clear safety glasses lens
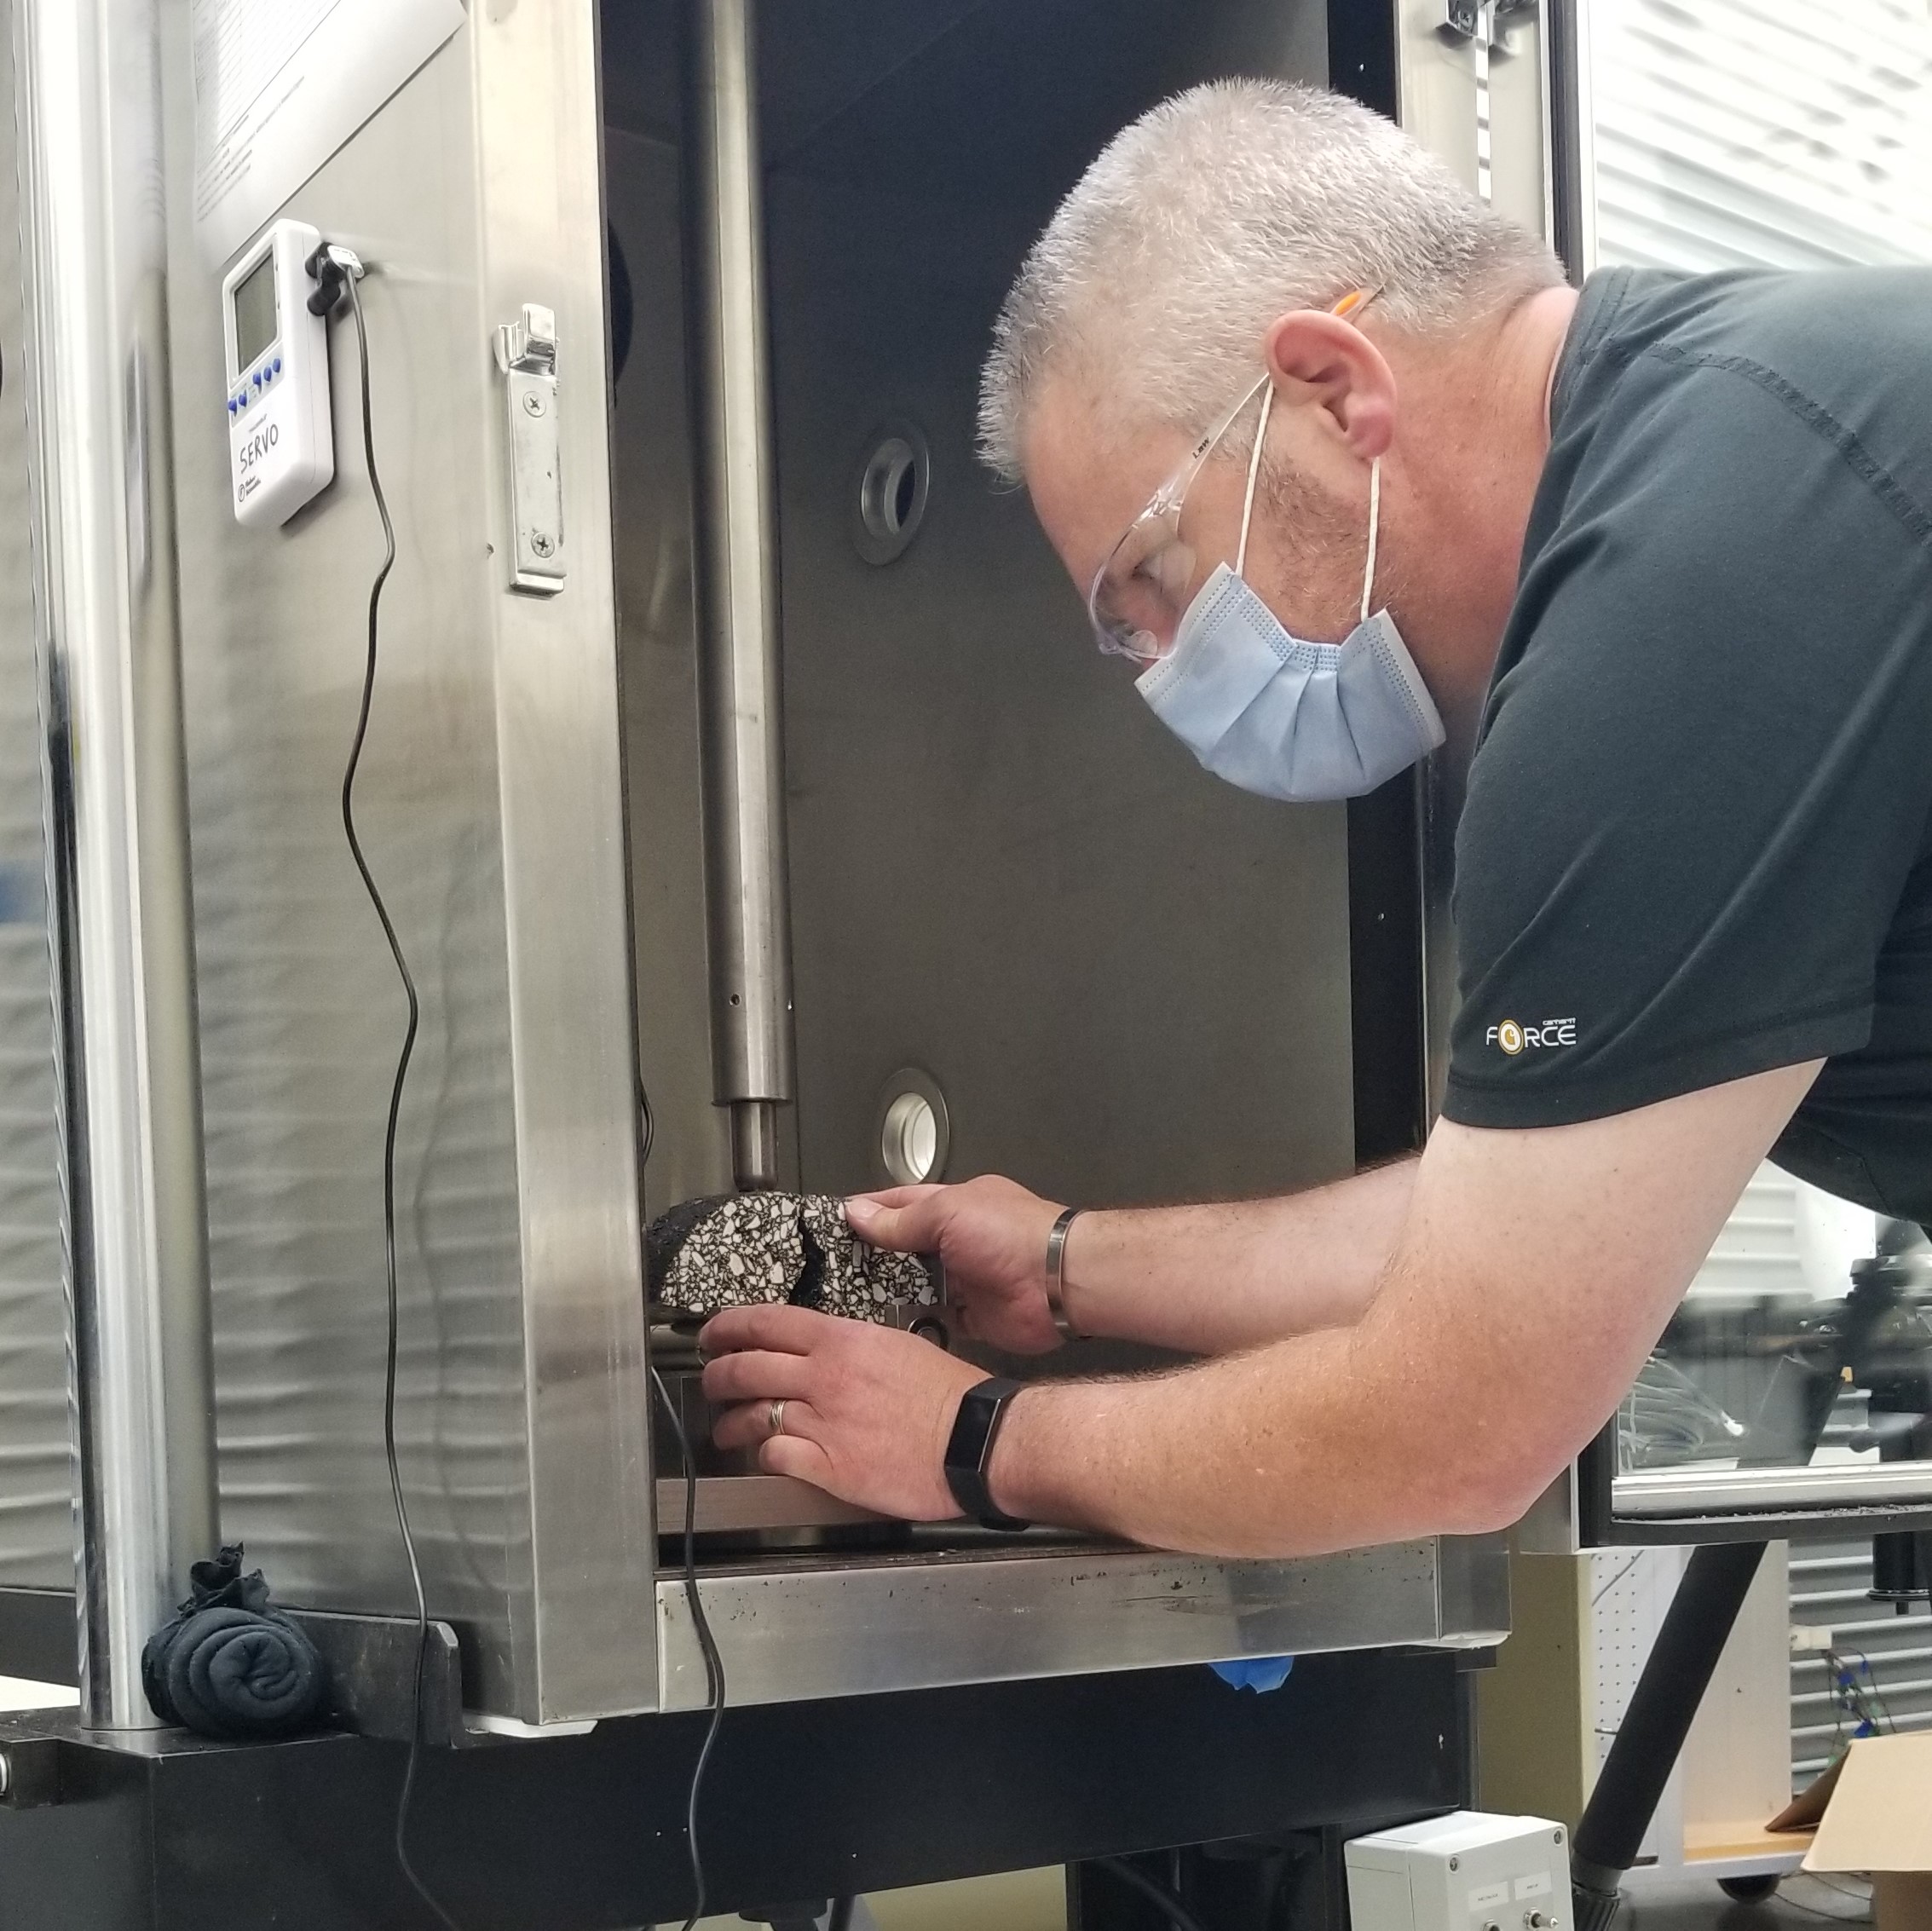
column 1139, row 595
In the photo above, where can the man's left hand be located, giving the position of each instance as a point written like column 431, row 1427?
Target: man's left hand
column 867, row 1410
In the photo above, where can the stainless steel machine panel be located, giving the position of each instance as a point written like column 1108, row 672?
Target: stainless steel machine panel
column 490, row 804
column 36, row 1509
column 789, row 1634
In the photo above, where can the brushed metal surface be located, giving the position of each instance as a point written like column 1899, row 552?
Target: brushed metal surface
column 791, row 1634
column 1473, row 1586
column 737, row 580
column 740, row 1502
column 490, row 802
column 37, row 1533
column 588, row 1651
column 93, row 258
column 650, row 476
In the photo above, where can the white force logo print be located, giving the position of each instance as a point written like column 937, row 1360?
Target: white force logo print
column 1514, row 1037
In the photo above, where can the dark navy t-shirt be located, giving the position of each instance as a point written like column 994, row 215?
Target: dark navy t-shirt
column 1698, row 843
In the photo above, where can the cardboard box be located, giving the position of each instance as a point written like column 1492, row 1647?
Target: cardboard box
column 1879, row 1821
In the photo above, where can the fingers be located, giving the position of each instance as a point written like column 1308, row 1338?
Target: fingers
column 905, row 1220
column 793, row 1455
column 757, row 1375
column 748, row 1426
column 778, row 1329
column 894, row 1196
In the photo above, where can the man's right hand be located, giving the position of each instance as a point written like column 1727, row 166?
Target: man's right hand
column 990, row 1236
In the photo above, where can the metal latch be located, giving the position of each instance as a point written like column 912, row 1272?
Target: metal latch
column 526, row 352
column 1484, row 24
column 1486, row 21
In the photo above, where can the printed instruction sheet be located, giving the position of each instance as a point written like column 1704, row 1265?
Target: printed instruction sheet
column 280, row 84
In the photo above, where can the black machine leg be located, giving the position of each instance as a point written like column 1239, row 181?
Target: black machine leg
column 1698, row 1625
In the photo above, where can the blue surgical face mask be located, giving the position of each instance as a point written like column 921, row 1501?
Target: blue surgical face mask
column 1279, row 715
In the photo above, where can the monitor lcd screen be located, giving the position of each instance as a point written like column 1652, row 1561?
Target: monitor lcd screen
column 255, row 313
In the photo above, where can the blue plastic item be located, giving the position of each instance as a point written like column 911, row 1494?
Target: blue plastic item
column 1258, row 1673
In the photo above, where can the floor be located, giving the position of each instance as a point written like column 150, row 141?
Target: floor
column 1035, row 1901
column 1797, row 1906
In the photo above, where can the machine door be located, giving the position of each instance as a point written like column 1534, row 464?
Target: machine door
column 457, row 153
column 1792, row 1393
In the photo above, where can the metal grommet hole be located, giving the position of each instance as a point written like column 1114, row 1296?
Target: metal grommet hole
column 895, row 483
column 914, row 1133
column 908, row 1143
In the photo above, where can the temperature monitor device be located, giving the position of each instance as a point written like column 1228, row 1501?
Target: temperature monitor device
column 281, row 446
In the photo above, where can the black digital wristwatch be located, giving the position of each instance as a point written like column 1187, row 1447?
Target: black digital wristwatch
column 969, row 1451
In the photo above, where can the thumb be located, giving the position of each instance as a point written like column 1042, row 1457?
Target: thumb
column 906, row 1221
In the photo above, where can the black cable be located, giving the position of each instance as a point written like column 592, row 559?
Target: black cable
column 376, row 899
column 648, row 1123
column 714, row 1663
column 1176, row 1913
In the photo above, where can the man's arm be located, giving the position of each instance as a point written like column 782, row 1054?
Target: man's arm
column 1204, row 1280
column 1533, row 1272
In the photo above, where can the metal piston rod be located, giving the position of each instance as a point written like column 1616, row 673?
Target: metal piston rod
column 735, row 540
column 91, row 147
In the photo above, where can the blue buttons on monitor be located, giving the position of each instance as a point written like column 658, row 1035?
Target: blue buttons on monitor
column 233, row 404
column 277, row 369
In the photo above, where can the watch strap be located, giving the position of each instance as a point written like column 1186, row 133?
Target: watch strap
column 969, row 1450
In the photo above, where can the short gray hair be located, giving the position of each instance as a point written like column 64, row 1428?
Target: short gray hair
column 1213, row 213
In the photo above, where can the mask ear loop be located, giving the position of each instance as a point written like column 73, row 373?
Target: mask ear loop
column 1253, row 471
column 1375, row 524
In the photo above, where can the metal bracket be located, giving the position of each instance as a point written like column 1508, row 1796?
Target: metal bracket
column 526, row 352
column 1485, row 21
column 372, row 1662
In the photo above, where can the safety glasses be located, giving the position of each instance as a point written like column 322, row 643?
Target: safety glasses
column 1139, row 593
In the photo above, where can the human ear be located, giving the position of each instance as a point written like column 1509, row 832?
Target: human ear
column 1319, row 362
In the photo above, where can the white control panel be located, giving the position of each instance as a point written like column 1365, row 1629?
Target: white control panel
column 1471, row 1871
column 281, row 444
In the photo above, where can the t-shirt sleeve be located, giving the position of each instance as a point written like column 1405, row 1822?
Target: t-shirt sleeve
column 1703, row 777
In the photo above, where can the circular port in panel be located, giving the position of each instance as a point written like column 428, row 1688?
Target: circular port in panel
column 914, row 1129
column 895, row 482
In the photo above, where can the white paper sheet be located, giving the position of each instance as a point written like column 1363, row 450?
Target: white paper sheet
column 280, row 84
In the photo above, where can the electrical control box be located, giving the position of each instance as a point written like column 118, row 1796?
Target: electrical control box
column 1469, row 1871
column 281, row 443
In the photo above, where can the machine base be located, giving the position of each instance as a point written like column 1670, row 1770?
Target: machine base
column 167, row 1833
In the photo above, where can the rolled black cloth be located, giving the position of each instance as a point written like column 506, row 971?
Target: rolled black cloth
column 226, row 1665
